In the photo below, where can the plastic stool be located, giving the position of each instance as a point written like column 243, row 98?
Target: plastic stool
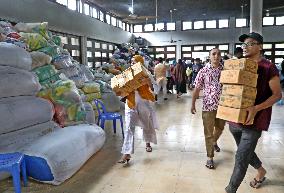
column 15, row 164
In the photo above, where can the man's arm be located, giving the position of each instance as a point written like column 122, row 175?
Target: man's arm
column 275, row 87
column 195, row 95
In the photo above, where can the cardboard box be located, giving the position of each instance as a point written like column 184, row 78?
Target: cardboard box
column 232, row 114
column 241, row 64
column 238, row 77
column 239, row 90
column 129, row 80
column 235, row 101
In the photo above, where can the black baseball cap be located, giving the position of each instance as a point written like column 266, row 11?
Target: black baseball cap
column 252, row 35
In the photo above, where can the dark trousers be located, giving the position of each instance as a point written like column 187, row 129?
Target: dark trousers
column 246, row 140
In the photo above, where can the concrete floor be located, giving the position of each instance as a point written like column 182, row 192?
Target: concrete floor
column 176, row 164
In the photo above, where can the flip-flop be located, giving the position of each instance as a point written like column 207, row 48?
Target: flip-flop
column 257, row 183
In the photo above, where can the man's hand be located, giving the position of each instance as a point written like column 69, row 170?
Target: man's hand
column 193, row 109
column 251, row 114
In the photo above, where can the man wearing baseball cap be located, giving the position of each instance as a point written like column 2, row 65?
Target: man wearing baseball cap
column 246, row 136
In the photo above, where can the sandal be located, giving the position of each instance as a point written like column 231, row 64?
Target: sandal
column 149, row 149
column 257, row 183
column 210, row 164
column 124, row 160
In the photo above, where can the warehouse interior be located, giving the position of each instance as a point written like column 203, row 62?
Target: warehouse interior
column 66, row 153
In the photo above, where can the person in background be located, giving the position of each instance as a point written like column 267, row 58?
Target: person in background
column 160, row 71
column 245, row 135
column 195, row 69
column 208, row 80
column 169, row 77
column 238, row 53
column 180, row 78
column 139, row 111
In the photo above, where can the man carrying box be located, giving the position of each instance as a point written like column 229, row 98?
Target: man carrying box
column 208, row 80
column 246, row 136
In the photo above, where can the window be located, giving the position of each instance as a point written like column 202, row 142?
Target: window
column 75, row 53
column 104, row 46
column 279, row 52
column 186, row 25
column 149, row 27
column 89, row 54
column 109, row 55
column 98, row 54
column 159, row 26
column 108, row 18
column 280, row 20
column 186, row 48
column 267, row 46
column 160, row 49
column 211, row 24
column 81, row 6
column 113, row 21
column 95, row 13
column 267, row 53
column 278, row 60
column 198, row 48
column 160, row 55
column 241, row 22
column 90, row 64
column 110, row 47
column 87, row 9
column 198, row 25
column 97, row 45
column 127, row 27
column 186, row 55
column 104, row 55
column 120, row 24
column 64, row 40
column 223, row 47
column 210, row 47
column 137, row 28
column 171, row 55
column 279, row 45
column 223, row 23
column 72, row 4
column 171, row 49
column 268, row 21
column 171, row 26
column 89, row 44
column 101, row 16
column 62, row 2
column 74, row 41
column 124, row 26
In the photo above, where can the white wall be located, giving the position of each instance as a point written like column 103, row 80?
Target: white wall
column 209, row 36
column 61, row 19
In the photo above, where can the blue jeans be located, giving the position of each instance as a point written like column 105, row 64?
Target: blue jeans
column 246, row 140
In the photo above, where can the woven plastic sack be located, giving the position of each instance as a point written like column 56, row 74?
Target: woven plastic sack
column 63, row 61
column 40, row 59
column 70, row 72
column 35, row 41
column 91, row 87
column 45, row 72
column 12, row 55
column 40, row 28
column 111, row 102
column 90, row 114
column 17, row 82
column 87, row 72
column 55, row 157
column 52, row 50
column 90, row 97
column 19, row 112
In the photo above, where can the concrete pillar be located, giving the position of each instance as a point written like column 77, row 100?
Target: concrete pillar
column 256, row 7
column 84, row 50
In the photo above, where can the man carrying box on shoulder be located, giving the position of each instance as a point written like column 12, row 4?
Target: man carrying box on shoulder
column 246, row 136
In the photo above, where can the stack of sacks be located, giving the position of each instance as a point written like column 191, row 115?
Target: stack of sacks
column 21, row 113
column 69, row 109
column 239, row 90
column 91, row 91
